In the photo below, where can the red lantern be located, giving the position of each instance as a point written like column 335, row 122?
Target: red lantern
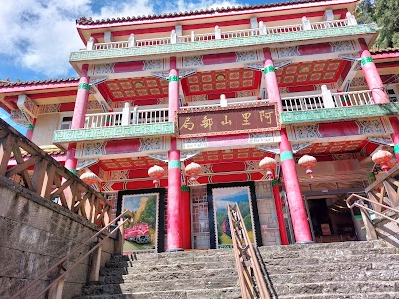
column 89, row 177
column 382, row 157
column 156, row 172
column 193, row 170
column 268, row 164
column 308, row 162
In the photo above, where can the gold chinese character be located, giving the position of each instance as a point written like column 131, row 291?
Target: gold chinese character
column 226, row 121
column 187, row 124
column 207, row 123
column 267, row 116
column 246, row 117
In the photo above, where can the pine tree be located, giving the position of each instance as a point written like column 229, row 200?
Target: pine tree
column 386, row 14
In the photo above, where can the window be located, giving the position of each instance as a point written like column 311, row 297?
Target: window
column 392, row 95
column 66, row 123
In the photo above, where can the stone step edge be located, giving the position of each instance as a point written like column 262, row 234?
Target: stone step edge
column 326, row 295
column 271, row 275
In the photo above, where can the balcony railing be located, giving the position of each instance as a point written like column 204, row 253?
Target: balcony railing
column 218, row 34
column 128, row 116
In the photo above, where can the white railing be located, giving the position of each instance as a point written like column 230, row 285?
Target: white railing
column 153, row 42
column 111, row 45
column 353, row 98
column 128, row 116
column 284, row 29
column 302, row 103
column 218, row 34
column 98, row 120
column 329, row 24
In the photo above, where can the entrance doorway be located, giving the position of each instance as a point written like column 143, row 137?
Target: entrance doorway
column 331, row 219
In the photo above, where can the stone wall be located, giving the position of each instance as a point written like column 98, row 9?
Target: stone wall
column 267, row 213
column 34, row 234
column 45, row 126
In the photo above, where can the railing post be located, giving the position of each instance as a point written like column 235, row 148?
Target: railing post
column 90, row 44
column 131, row 41
column 135, row 114
column 55, row 291
column 173, row 37
column 351, row 19
column 328, row 100
column 306, row 24
column 218, row 32
column 262, row 28
column 120, row 238
column 368, row 224
column 95, row 264
column 192, row 36
column 125, row 114
column 223, row 101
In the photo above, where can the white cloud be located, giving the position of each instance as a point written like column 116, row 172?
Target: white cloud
column 39, row 35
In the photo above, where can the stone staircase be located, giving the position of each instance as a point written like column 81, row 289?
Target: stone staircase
column 335, row 270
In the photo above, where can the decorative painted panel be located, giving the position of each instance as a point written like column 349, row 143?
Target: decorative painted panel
column 118, row 132
column 224, row 43
column 343, row 113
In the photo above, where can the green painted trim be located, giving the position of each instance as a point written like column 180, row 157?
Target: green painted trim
column 173, row 78
column 231, row 43
column 119, row 132
column 174, row 164
column 269, row 69
column 396, row 149
column 185, row 188
column 74, row 171
column 31, row 127
column 274, row 182
column 332, row 114
column 366, row 60
column 287, row 155
column 358, row 216
column 84, row 86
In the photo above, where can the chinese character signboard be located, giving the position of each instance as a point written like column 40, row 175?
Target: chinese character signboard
column 254, row 117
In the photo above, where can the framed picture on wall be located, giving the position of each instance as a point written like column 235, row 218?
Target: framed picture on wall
column 146, row 212
column 219, row 195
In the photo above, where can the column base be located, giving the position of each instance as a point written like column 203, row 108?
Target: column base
column 174, row 250
column 305, row 242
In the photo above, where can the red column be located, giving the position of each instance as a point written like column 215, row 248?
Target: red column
column 78, row 118
column 174, row 241
column 273, row 93
column 297, row 206
column 185, row 214
column 294, row 195
column 375, row 84
column 371, row 75
column 31, row 128
column 279, row 211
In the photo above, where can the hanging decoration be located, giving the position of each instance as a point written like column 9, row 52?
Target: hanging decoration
column 308, row 162
column 270, row 165
column 382, row 157
column 89, row 177
column 156, row 172
column 193, row 170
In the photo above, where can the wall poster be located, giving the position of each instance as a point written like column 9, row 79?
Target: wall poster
column 146, row 214
column 244, row 195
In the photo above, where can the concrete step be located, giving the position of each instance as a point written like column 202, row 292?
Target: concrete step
column 142, row 268
column 336, row 276
column 379, row 295
column 221, row 293
column 171, row 275
column 150, row 286
column 338, row 288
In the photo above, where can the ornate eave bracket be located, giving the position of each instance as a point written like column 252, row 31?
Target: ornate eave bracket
column 353, row 58
column 381, row 140
column 183, row 156
column 276, row 150
column 182, row 74
column 259, row 66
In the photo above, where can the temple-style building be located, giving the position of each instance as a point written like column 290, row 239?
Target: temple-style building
column 176, row 115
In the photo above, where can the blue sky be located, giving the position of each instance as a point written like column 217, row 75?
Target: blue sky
column 37, row 36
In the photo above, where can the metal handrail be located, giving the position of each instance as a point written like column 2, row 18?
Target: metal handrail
column 360, row 204
column 59, row 263
column 249, row 272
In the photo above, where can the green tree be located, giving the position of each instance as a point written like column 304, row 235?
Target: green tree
column 385, row 14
